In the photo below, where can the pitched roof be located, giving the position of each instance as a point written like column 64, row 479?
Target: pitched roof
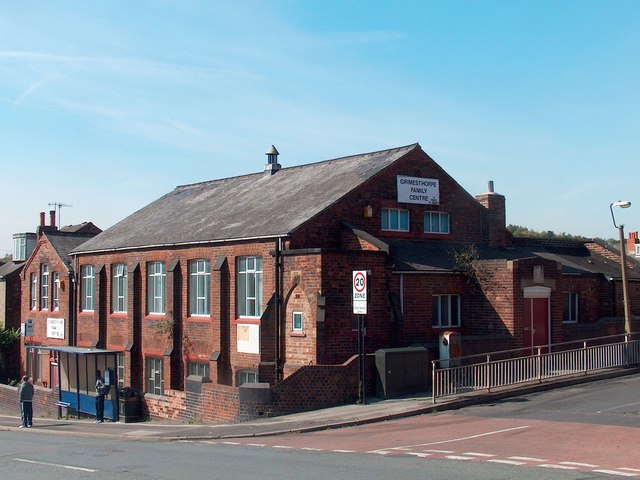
column 245, row 207
column 9, row 268
column 64, row 242
column 573, row 255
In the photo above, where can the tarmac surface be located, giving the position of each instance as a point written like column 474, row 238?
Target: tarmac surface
column 375, row 410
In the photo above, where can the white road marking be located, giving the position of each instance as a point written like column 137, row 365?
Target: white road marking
column 576, row 464
column 475, row 454
column 231, row 443
column 418, row 454
column 506, row 462
column 630, row 469
column 380, row 452
column 343, row 451
column 282, row 446
column 459, row 457
column 67, row 467
column 529, row 459
column 618, row 406
column 459, row 439
column 312, row 449
column 440, row 451
column 615, row 472
column 559, row 467
column 256, row 445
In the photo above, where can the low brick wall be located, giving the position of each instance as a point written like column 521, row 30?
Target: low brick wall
column 44, row 401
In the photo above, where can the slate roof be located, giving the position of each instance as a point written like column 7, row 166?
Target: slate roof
column 64, row 242
column 439, row 257
column 245, row 207
column 9, row 268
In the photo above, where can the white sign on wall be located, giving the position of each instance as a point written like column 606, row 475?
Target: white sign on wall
column 425, row 191
column 248, row 338
column 55, row 328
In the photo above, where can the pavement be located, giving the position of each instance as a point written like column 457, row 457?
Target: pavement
column 375, row 410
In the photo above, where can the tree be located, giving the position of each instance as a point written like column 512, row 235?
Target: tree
column 8, row 336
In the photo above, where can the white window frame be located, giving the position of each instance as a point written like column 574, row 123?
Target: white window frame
column 56, row 291
column 572, row 308
column 443, row 305
column 119, row 288
column 121, row 369
column 391, row 219
column 44, row 286
column 20, row 249
column 156, row 285
column 154, row 374
column 34, row 291
column 87, row 287
column 249, row 286
column 297, row 317
column 199, row 287
column 443, row 223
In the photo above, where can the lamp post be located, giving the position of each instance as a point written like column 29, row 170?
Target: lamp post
column 623, row 263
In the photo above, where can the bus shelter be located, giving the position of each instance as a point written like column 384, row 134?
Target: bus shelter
column 73, row 372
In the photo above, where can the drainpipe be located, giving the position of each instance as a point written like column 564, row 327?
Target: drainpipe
column 73, row 300
column 278, row 306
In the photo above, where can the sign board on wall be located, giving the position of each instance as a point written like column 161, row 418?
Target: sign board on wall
column 360, row 292
column 248, row 336
column 424, row 191
column 55, row 328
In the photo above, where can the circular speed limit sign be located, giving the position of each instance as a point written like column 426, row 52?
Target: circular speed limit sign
column 360, row 282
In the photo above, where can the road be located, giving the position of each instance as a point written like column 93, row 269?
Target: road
column 586, row 431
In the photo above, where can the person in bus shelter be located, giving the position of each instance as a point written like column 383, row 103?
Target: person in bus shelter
column 100, row 393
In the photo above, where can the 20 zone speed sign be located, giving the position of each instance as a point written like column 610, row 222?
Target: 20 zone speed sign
column 360, row 292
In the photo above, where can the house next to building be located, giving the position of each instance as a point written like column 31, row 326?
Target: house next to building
column 220, row 291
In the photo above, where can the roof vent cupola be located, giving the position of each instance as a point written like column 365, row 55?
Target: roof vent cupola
column 272, row 165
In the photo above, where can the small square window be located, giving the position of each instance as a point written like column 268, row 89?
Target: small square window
column 395, row 219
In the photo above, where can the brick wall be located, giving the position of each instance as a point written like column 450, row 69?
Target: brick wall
column 44, row 400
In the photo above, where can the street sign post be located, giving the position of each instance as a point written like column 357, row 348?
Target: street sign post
column 359, row 299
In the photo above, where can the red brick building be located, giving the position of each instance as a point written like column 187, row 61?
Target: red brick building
column 48, row 296
column 249, row 279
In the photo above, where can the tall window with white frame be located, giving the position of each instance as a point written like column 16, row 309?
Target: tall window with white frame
column 156, row 278
column 34, row 291
column 249, row 286
column 570, row 308
column 121, row 369
column 436, row 222
column 446, row 311
column 154, row 374
column 199, row 287
column 87, row 274
column 55, row 293
column 395, row 219
column 44, row 286
column 119, row 288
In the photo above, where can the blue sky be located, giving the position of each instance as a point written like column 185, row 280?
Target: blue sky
column 106, row 106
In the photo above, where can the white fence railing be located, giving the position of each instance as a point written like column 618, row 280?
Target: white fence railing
column 512, row 367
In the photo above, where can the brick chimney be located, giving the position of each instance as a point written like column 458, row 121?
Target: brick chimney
column 47, row 228
column 632, row 241
column 495, row 223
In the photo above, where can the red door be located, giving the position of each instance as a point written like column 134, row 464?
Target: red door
column 536, row 322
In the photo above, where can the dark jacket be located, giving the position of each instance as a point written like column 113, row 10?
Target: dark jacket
column 25, row 392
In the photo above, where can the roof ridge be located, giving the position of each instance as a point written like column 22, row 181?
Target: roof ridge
column 411, row 146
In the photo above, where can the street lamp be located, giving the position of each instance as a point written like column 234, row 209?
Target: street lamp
column 623, row 263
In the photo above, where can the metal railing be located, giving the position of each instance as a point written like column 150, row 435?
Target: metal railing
column 533, row 364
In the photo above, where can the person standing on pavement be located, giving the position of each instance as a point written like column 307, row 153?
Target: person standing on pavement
column 25, row 395
column 100, row 392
